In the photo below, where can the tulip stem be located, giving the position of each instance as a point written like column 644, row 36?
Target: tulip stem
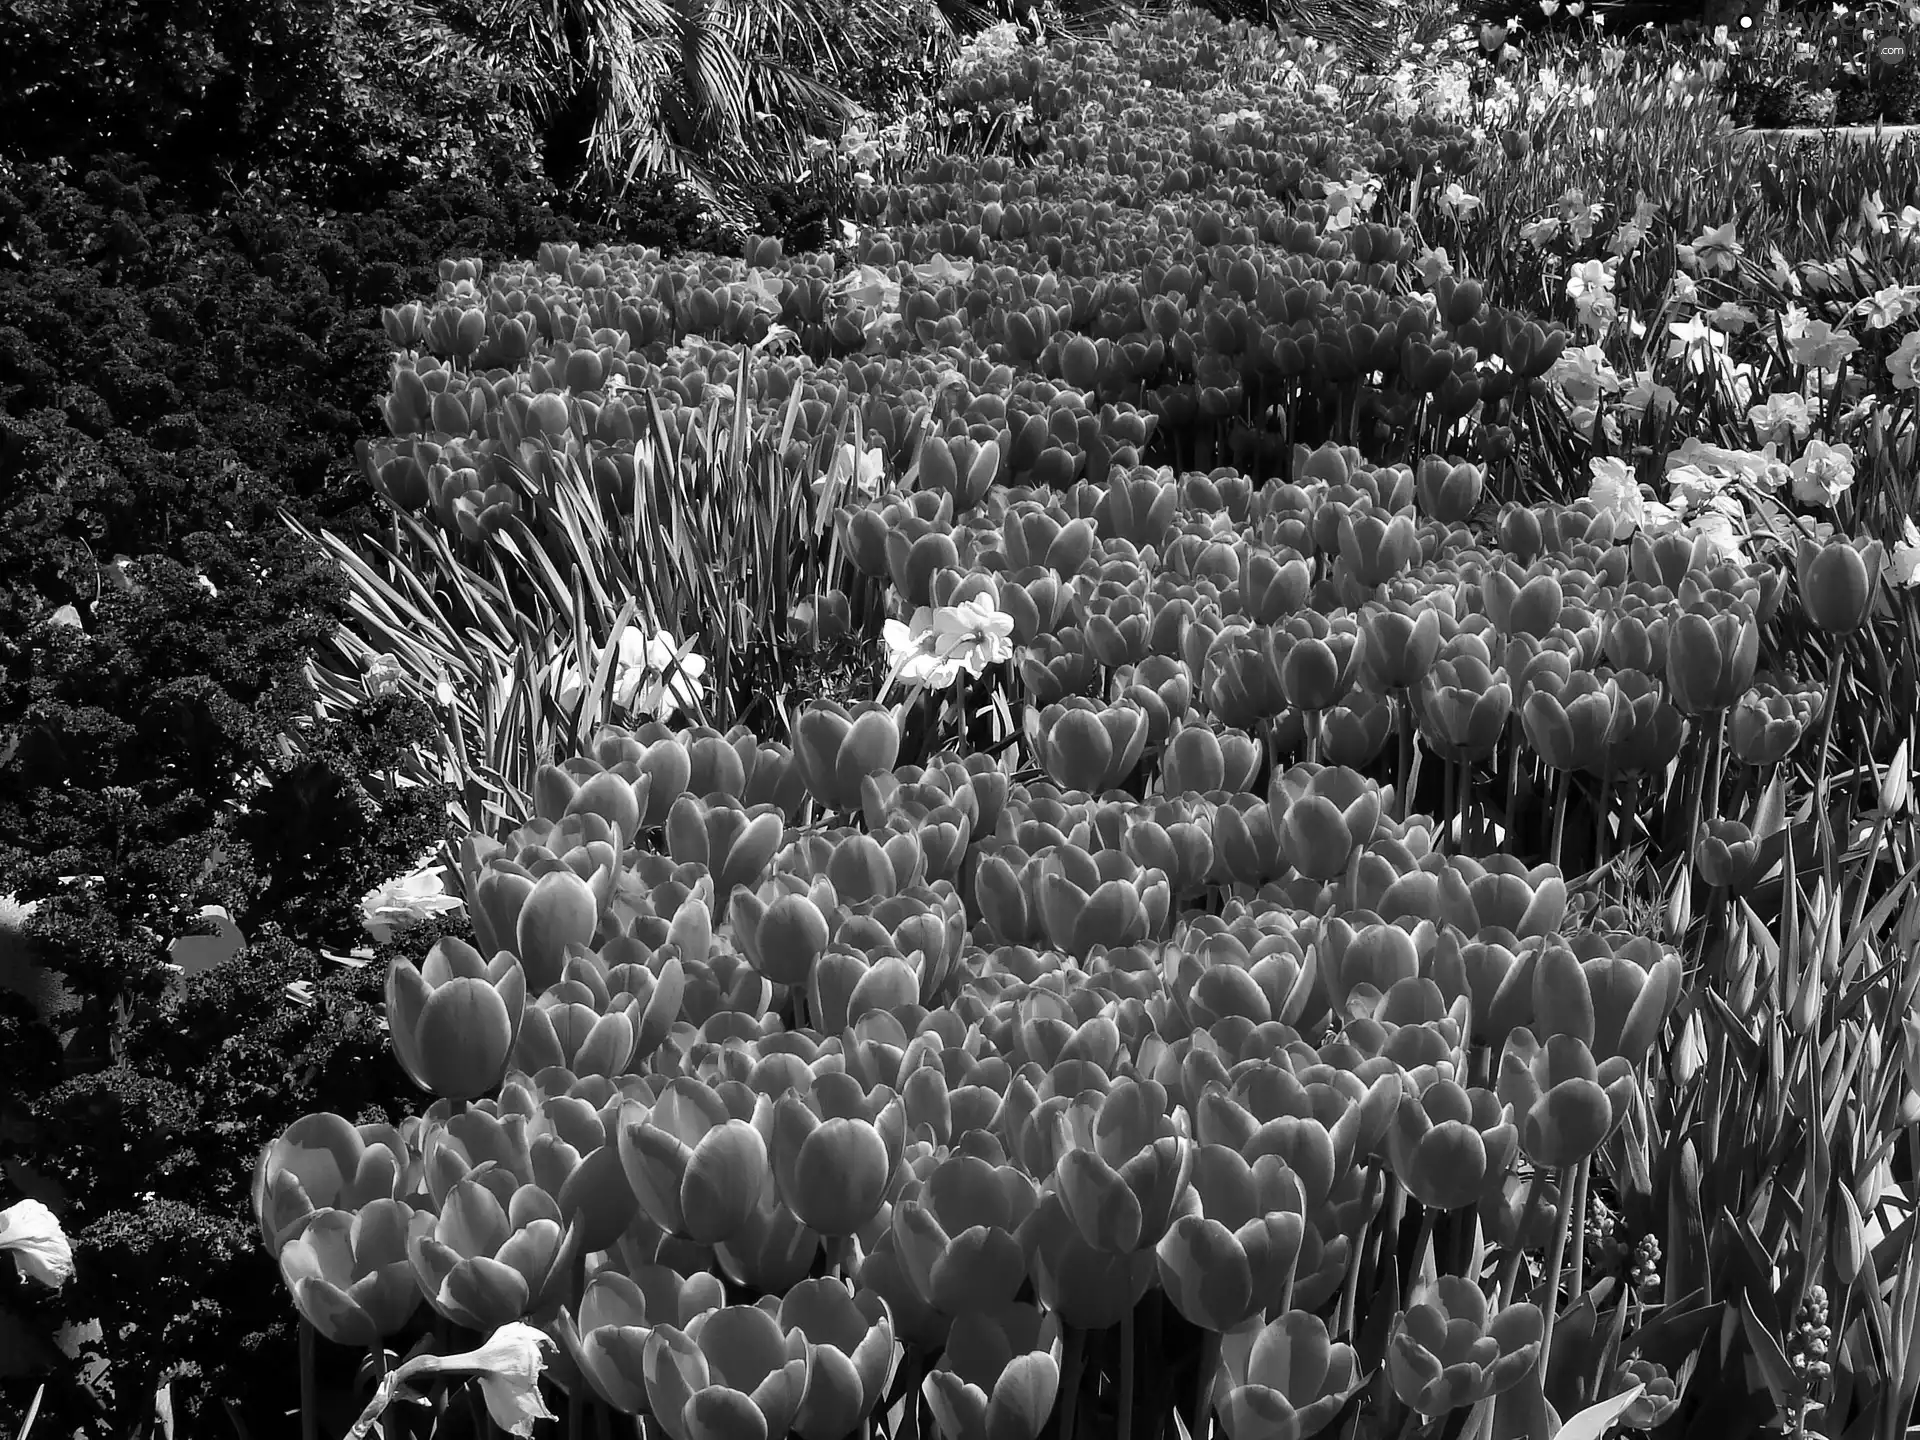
column 1203, row 1391
column 1560, row 815
column 1073, row 1360
column 1556, row 1259
column 1405, row 717
column 309, row 1386
column 1510, row 1263
column 1125, row 1417
column 1578, row 1274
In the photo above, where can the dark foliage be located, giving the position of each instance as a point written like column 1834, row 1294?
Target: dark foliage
column 170, row 377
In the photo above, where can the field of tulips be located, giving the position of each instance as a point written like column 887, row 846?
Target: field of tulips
column 1244, row 773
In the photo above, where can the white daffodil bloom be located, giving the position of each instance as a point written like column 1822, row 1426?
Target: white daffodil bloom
column 31, row 1233
column 403, row 903
column 507, row 1368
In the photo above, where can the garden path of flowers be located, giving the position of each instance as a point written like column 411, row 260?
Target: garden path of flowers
column 1372, row 894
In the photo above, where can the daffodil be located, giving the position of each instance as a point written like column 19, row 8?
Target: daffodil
column 1903, row 560
column 973, row 634
column 1822, row 473
column 403, row 903
column 31, row 1233
column 507, row 1368
column 912, row 651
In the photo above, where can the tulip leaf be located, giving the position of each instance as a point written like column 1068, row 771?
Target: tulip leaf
column 1593, row 1422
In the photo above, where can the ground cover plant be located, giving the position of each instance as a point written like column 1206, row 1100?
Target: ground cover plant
column 1372, row 894
column 1233, row 770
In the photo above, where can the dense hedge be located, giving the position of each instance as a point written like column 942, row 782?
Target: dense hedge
column 169, row 377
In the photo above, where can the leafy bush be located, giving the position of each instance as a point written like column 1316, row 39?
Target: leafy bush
column 169, row 378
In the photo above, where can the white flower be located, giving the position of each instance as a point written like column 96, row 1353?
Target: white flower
column 507, row 1367
column 383, row 674
column 1823, row 473
column 1717, row 249
column 403, row 903
column 1903, row 365
column 1784, row 414
column 911, row 652
column 1903, row 561
column 1718, row 529
column 1616, row 493
column 1456, row 201
column 974, row 634
column 860, row 472
column 39, row 1246
column 655, row 676
column 1888, row 306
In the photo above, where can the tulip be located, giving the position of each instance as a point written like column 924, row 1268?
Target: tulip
column 1282, row 1380
column 1314, row 660
column 1398, row 644
column 1768, row 724
column 1837, row 582
column 31, row 1233
column 732, row 1374
column 508, row 1368
column 495, row 1253
column 1615, row 1002
column 454, row 1020
column 1732, row 858
column 835, row 749
column 325, row 1162
column 1451, row 1146
column 998, row 1376
column 1448, row 492
column 833, row 1152
column 1571, row 728
column 1088, row 1288
column 349, row 1274
column 1710, row 658
column 1567, row 1104
column 606, row 1335
column 955, row 1238
column 697, row 1170
column 1089, row 747
column 1353, row 733
column 1463, row 706
column 1236, row 1258
column 1126, row 1207
column 849, row 1354
column 1323, row 814
column 1442, row 1354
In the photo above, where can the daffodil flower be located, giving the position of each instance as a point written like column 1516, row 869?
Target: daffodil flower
column 507, row 1367
column 403, row 903
column 31, row 1233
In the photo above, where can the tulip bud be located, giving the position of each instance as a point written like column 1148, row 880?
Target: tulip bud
column 1838, row 581
column 453, row 1021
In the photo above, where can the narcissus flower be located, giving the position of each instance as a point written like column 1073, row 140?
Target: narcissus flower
column 31, row 1233
column 408, row 901
column 507, row 1367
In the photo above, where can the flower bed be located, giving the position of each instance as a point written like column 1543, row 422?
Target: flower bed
column 1354, row 874
column 1349, row 847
